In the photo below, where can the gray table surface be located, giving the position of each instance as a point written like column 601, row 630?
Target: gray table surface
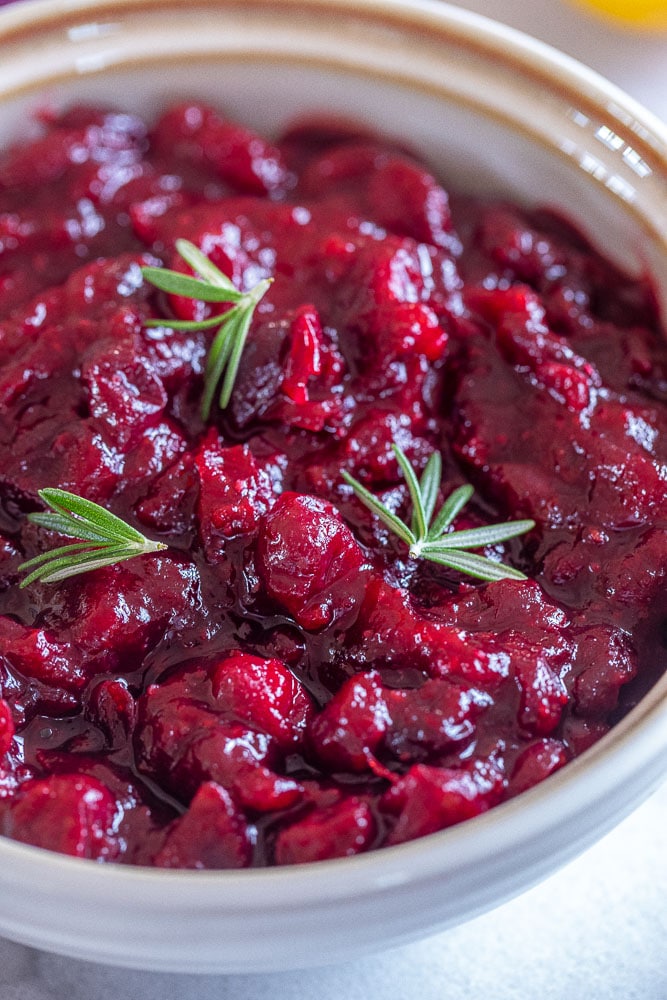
column 597, row 930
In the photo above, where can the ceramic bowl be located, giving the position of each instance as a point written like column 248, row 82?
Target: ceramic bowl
column 491, row 110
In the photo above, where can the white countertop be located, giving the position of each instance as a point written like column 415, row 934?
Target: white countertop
column 597, row 930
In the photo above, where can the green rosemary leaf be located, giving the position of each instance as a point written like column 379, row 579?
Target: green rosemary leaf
column 240, row 335
column 429, row 541
column 85, row 514
column 176, row 283
column 51, row 554
column 377, row 507
column 419, row 523
column 217, row 359
column 472, row 565
column 64, row 526
column 204, row 267
column 66, row 566
column 429, row 485
column 233, row 326
column 451, row 508
column 105, row 538
column 477, row 538
column 188, row 324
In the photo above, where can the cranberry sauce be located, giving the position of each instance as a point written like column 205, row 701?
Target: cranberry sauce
column 284, row 683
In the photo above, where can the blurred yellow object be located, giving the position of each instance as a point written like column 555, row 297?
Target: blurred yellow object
column 640, row 13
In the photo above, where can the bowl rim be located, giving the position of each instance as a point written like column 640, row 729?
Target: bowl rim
column 494, row 834
column 587, row 92
column 476, row 31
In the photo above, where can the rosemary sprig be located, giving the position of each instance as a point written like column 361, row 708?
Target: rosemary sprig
column 233, row 325
column 104, row 538
column 429, row 537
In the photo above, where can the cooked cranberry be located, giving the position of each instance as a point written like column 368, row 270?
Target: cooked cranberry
column 212, row 834
column 304, row 360
column 112, row 708
column 605, row 662
column 170, row 505
column 125, row 610
column 537, row 762
column 393, row 632
column 194, row 132
column 264, row 693
column 234, row 491
column 234, row 756
column 433, row 718
column 38, row 655
column 339, row 831
column 124, row 393
column 69, row 813
column 183, row 740
column 408, row 200
column 543, row 693
column 348, row 731
column 6, row 727
column 367, row 452
column 427, row 799
column 310, row 561
column 287, row 682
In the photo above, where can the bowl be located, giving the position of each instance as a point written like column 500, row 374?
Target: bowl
column 492, row 110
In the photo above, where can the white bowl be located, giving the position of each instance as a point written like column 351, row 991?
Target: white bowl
column 492, row 110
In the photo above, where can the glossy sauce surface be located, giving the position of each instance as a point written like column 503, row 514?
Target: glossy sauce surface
column 284, row 683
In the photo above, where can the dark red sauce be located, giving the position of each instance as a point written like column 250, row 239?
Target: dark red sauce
column 284, row 683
